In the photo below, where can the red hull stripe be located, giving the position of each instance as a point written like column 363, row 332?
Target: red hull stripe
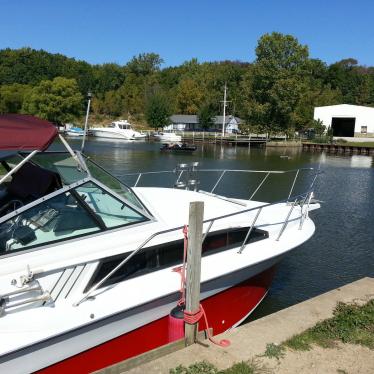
column 223, row 311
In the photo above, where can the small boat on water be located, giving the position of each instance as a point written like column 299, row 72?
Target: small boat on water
column 74, row 131
column 121, row 129
column 167, row 137
column 178, row 147
column 88, row 264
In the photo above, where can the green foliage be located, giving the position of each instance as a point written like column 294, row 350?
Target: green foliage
column 157, row 111
column 206, row 116
column 276, row 93
column 203, row 367
column 197, row 368
column 189, row 97
column 28, row 66
column 274, row 351
column 58, row 100
column 351, row 323
column 277, row 82
column 12, row 97
column 249, row 367
column 145, row 64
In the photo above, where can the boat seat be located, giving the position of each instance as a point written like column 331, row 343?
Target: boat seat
column 29, row 183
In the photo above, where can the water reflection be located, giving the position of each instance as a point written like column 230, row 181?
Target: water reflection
column 361, row 161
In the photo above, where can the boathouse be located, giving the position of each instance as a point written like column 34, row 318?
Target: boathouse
column 184, row 122
column 347, row 121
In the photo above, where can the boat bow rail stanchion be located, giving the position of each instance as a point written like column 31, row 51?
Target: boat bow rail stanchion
column 210, row 223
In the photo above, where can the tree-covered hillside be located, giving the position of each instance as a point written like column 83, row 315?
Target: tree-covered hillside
column 277, row 91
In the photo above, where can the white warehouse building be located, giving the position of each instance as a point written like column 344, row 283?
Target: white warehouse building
column 347, row 121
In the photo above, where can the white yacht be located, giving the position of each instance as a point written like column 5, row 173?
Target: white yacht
column 167, row 137
column 121, row 129
column 88, row 264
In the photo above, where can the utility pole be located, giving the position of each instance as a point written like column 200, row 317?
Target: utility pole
column 89, row 96
column 224, row 112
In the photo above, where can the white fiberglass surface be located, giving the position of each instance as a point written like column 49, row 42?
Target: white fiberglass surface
column 136, row 291
column 142, row 289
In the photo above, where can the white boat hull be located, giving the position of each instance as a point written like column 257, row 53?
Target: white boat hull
column 111, row 135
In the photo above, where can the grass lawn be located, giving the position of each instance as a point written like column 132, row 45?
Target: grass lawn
column 351, row 323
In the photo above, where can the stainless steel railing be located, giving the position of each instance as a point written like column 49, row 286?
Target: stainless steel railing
column 192, row 169
column 303, row 199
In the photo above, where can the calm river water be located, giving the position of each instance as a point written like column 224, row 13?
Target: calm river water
column 341, row 250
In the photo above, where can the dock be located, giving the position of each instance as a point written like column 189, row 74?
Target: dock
column 251, row 339
column 230, row 139
column 339, row 148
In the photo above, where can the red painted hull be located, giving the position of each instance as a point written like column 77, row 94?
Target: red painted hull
column 223, row 310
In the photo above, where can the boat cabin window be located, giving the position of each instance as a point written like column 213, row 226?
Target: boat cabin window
column 78, row 212
column 170, row 254
column 112, row 126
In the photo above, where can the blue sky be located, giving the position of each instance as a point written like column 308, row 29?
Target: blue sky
column 101, row 31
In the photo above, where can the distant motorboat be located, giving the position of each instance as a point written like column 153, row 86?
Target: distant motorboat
column 167, row 137
column 121, row 129
column 74, row 131
column 178, row 147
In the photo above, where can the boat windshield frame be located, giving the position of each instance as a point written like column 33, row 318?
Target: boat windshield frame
column 140, row 208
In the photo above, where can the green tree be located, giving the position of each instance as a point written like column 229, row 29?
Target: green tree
column 145, row 64
column 188, row 97
column 206, row 116
column 12, row 97
column 277, row 81
column 157, row 111
column 352, row 80
column 58, row 100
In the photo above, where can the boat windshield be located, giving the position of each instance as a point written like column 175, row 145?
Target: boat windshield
column 113, row 183
column 80, row 211
column 63, row 164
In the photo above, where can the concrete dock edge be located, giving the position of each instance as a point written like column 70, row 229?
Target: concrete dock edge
column 251, row 339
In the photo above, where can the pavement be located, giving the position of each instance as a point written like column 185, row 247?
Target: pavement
column 250, row 340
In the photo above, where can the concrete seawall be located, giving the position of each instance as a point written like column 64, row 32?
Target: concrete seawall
column 251, row 339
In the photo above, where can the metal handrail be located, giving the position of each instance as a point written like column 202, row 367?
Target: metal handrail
column 224, row 171
column 259, row 186
column 250, row 230
column 141, row 246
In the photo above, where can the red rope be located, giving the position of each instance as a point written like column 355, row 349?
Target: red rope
column 182, row 269
column 193, row 317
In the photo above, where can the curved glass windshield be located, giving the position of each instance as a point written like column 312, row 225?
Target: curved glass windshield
column 63, row 164
column 113, row 183
column 80, row 211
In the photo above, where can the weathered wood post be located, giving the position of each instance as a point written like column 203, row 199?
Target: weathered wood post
column 195, row 235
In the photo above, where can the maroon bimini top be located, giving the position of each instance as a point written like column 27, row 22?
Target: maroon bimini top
column 22, row 132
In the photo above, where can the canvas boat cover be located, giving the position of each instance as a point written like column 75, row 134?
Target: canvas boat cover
column 22, row 132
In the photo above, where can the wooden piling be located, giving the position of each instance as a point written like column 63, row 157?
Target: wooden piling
column 195, row 235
